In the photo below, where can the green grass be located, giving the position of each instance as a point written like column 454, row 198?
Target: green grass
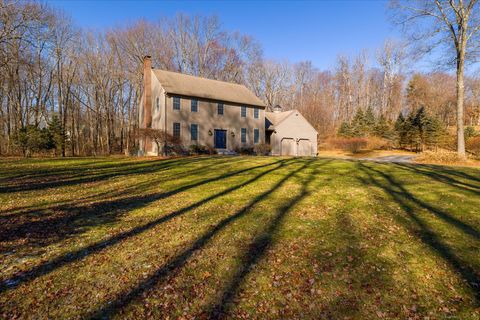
column 242, row 237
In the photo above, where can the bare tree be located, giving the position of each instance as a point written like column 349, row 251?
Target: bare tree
column 453, row 24
column 391, row 58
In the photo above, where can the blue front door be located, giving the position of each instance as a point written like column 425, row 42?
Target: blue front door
column 220, row 138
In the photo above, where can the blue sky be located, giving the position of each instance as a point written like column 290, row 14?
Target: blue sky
column 293, row 31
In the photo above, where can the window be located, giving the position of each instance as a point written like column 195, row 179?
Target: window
column 244, row 135
column 256, row 135
column 176, row 130
column 194, row 131
column 220, row 108
column 255, row 113
column 194, row 105
column 176, row 103
column 243, row 112
column 158, row 104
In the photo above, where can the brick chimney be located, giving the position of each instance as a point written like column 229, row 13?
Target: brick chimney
column 147, row 99
column 147, row 93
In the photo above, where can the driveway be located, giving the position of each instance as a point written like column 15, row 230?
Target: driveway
column 393, row 158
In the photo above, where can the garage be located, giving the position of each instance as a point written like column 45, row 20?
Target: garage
column 288, row 147
column 289, row 133
column 304, row 148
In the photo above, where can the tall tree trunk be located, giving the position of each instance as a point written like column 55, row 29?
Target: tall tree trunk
column 460, row 100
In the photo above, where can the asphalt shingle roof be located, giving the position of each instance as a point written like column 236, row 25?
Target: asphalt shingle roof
column 182, row 84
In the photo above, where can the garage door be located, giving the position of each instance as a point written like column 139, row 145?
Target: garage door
column 304, row 147
column 288, row 147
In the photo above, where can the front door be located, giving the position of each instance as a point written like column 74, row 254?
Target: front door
column 220, row 138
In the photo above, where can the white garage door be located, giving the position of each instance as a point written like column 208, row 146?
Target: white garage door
column 288, row 147
column 304, row 147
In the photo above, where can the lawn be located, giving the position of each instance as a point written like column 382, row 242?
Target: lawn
column 239, row 237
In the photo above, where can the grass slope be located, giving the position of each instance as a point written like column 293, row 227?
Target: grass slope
column 240, row 237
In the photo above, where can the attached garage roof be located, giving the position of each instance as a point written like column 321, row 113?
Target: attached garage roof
column 186, row 85
column 273, row 119
column 276, row 117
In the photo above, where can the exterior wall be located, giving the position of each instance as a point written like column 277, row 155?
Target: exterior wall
column 208, row 120
column 294, row 127
column 163, row 117
column 157, row 113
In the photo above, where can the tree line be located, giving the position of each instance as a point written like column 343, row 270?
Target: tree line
column 83, row 87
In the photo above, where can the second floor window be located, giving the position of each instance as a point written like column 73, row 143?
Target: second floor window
column 244, row 135
column 256, row 113
column 243, row 112
column 220, row 108
column 194, row 105
column 194, row 131
column 256, row 135
column 176, row 130
column 176, row 103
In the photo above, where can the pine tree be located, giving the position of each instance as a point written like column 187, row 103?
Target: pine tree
column 369, row 121
column 382, row 128
column 434, row 132
column 56, row 130
column 345, row 130
column 31, row 139
column 419, row 123
column 400, row 132
column 358, row 127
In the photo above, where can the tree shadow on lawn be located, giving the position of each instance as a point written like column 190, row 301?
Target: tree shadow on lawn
column 66, row 167
column 128, row 204
column 454, row 172
column 173, row 266
column 42, row 227
column 364, row 271
column 470, row 186
column 256, row 250
column 59, row 178
column 466, row 228
column 36, row 210
column 409, row 203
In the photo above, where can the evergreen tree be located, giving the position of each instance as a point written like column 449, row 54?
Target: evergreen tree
column 358, row 127
column 411, row 132
column 345, row 130
column 470, row 132
column 382, row 128
column 369, row 121
column 419, row 122
column 400, row 131
column 31, row 139
column 434, row 132
column 58, row 135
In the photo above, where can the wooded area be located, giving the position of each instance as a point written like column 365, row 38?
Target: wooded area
column 85, row 86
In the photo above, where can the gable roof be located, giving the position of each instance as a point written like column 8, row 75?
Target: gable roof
column 275, row 118
column 186, row 85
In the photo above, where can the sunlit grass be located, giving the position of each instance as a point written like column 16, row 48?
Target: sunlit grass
column 252, row 237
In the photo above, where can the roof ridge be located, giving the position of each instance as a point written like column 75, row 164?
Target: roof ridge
column 192, row 76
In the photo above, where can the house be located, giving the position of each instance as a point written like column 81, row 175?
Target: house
column 289, row 133
column 218, row 114
column 199, row 111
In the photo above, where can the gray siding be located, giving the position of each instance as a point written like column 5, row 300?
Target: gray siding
column 291, row 131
